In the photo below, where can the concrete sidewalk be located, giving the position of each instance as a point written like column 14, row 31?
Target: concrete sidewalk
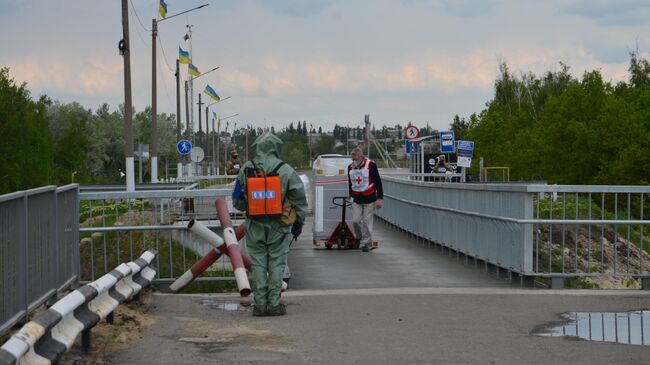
column 403, row 303
column 393, row 326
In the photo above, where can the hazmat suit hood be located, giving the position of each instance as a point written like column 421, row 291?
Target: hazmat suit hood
column 267, row 151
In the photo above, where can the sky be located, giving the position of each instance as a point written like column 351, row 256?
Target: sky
column 324, row 61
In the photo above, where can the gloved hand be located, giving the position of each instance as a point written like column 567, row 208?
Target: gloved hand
column 296, row 229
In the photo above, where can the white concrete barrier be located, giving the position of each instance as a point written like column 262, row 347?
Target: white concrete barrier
column 46, row 338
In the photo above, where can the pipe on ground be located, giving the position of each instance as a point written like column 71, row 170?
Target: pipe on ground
column 210, row 258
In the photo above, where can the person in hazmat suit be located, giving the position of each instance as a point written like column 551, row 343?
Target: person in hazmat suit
column 273, row 197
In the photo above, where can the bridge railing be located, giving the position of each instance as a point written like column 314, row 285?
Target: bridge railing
column 117, row 225
column 39, row 249
column 530, row 230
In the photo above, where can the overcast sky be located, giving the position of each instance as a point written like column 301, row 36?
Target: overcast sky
column 324, row 61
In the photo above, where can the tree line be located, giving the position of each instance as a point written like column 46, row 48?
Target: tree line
column 566, row 129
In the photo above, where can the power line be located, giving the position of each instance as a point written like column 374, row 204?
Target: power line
column 140, row 34
column 164, row 55
column 169, row 98
column 138, row 17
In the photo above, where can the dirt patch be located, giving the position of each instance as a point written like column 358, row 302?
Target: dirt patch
column 215, row 338
column 130, row 320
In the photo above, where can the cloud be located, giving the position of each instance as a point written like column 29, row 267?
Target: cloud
column 96, row 77
column 10, row 7
column 460, row 8
column 610, row 12
column 443, row 73
column 298, row 8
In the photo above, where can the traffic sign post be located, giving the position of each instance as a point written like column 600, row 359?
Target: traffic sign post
column 412, row 147
column 411, row 132
column 184, row 147
column 465, row 149
column 447, row 144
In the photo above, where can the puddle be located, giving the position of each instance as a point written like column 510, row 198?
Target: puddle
column 631, row 328
column 222, row 305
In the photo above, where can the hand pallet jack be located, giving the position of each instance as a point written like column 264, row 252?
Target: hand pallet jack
column 342, row 235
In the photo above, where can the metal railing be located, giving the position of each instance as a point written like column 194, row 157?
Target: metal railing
column 116, row 225
column 39, row 248
column 531, row 230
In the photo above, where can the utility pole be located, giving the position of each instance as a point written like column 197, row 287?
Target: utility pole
column 188, row 132
column 208, row 139
column 199, row 113
column 347, row 140
column 179, row 165
column 154, row 105
column 310, row 128
column 216, row 155
column 190, row 78
column 367, row 123
column 128, row 107
column 154, row 95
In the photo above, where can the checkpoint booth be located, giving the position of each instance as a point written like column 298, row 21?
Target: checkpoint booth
column 330, row 179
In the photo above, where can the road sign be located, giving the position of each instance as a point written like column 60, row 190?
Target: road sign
column 447, row 144
column 197, row 154
column 465, row 149
column 465, row 145
column 412, row 147
column 411, row 132
column 184, row 146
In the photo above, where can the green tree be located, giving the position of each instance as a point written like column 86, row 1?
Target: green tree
column 26, row 143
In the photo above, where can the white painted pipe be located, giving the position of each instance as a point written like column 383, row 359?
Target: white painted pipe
column 238, row 263
column 204, row 232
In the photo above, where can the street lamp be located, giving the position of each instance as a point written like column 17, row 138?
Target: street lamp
column 216, row 164
column 207, row 129
column 154, row 96
column 310, row 129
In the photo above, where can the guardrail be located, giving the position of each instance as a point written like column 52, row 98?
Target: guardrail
column 39, row 249
column 116, row 224
column 46, row 338
column 535, row 230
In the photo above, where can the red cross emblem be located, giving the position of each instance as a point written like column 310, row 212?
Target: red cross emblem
column 358, row 180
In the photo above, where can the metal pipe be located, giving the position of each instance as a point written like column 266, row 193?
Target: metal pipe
column 210, row 258
column 233, row 248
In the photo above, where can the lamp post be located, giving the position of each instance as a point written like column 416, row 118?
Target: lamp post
column 216, row 163
column 154, row 93
column 310, row 129
column 207, row 128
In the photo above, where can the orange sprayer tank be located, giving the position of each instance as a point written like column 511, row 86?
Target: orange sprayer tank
column 264, row 195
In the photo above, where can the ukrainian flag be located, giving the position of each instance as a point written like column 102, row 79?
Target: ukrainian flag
column 162, row 8
column 183, row 56
column 192, row 70
column 210, row 91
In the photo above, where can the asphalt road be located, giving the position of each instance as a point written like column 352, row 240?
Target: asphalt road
column 403, row 303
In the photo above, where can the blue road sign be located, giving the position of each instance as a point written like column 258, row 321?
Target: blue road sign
column 184, row 146
column 412, row 147
column 447, row 144
column 465, row 145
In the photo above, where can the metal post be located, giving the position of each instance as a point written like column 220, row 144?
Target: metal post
column 154, row 106
column 86, row 339
column 179, row 165
column 128, row 108
column 199, row 113
column 188, row 133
